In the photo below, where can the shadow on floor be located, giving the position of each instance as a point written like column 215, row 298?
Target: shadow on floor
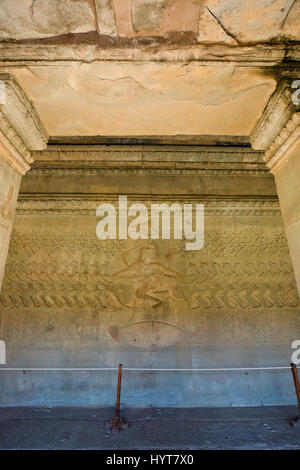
column 150, row 428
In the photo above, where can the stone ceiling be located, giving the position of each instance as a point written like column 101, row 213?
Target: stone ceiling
column 148, row 67
column 150, row 99
column 207, row 21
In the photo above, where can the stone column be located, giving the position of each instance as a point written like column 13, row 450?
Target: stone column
column 278, row 133
column 20, row 132
column 283, row 159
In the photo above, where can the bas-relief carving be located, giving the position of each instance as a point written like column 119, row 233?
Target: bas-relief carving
column 66, row 285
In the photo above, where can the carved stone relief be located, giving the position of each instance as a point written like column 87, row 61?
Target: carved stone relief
column 63, row 284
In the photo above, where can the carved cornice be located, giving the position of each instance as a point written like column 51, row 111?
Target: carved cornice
column 284, row 145
column 278, row 130
column 44, row 171
column 22, row 116
column 87, row 205
column 277, row 113
column 20, row 128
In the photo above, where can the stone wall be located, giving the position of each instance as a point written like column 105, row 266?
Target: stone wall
column 71, row 300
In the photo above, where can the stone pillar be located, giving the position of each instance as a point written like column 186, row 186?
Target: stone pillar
column 278, row 133
column 283, row 159
column 20, row 132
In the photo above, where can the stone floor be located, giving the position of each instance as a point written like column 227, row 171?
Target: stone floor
column 150, row 428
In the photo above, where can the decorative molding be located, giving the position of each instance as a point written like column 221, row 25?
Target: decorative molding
column 265, row 55
column 87, row 205
column 74, row 270
column 20, row 128
column 146, row 155
column 185, row 140
column 28, row 244
column 236, row 296
column 278, row 130
column 44, row 171
column 277, row 113
column 284, row 145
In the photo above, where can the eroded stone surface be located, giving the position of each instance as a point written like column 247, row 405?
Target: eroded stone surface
column 291, row 28
column 147, row 14
column 171, row 15
column 211, row 31
column 255, row 21
column 215, row 21
column 106, row 17
column 23, row 19
column 180, row 15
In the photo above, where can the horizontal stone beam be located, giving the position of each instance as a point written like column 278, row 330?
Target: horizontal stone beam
column 19, row 111
column 260, row 55
column 149, row 155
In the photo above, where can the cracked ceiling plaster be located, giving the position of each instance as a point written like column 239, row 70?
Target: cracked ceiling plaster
column 143, row 97
column 146, row 99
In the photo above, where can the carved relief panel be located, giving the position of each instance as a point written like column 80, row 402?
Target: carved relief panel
column 63, row 284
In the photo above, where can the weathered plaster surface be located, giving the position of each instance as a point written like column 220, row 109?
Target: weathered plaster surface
column 147, row 14
column 133, row 98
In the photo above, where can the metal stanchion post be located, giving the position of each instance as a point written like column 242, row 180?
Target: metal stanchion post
column 117, row 422
column 296, row 421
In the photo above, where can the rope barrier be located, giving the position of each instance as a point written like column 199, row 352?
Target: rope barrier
column 137, row 369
